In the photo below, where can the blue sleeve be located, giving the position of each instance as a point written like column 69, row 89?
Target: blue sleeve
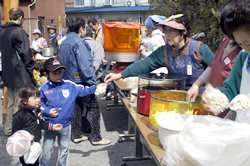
column 206, row 54
column 85, row 91
column 85, row 63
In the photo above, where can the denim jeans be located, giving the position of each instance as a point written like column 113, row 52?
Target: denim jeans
column 48, row 144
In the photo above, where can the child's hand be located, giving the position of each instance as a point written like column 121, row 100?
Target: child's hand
column 57, row 126
column 32, row 137
column 102, row 84
column 101, row 89
column 53, row 113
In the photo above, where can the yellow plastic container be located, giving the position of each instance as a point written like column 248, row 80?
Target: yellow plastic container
column 173, row 101
column 121, row 37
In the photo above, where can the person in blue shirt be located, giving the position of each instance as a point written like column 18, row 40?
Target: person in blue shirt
column 75, row 54
column 58, row 98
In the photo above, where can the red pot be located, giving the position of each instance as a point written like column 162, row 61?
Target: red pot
column 143, row 102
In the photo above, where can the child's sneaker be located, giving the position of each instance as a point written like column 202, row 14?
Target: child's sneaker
column 102, row 142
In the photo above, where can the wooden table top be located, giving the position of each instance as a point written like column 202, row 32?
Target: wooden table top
column 150, row 135
column 122, row 84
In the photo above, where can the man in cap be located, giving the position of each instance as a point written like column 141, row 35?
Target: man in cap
column 53, row 38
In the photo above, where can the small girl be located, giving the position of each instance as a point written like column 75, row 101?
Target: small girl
column 28, row 116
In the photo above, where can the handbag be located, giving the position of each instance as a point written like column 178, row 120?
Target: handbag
column 33, row 154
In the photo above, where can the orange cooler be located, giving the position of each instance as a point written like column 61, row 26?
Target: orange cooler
column 121, row 41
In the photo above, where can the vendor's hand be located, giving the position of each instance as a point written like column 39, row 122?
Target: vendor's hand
column 192, row 93
column 53, row 113
column 57, row 126
column 205, row 103
column 111, row 77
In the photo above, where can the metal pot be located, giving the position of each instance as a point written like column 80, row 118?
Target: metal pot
column 48, row 52
column 149, row 83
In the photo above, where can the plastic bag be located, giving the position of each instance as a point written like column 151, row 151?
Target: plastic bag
column 33, row 154
column 210, row 141
column 132, row 82
column 242, row 117
column 18, row 144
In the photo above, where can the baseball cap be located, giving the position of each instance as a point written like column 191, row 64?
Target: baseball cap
column 18, row 144
column 36, row 31
column 52, row 64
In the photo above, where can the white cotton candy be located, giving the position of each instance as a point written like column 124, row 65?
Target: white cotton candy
column 216, row 99
column 100, row 91
column 240, row 103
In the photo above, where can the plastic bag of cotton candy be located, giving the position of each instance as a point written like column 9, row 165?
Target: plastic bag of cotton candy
column 241, row 104
column 216, row 99
column 101, row 90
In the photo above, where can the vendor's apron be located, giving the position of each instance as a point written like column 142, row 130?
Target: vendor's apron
column 244, row 116
column 221, row 69
column 186, row 65
column 245, row 79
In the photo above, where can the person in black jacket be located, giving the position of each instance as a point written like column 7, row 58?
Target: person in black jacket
column 29, row 118
column 53, row 39
column 17, row 61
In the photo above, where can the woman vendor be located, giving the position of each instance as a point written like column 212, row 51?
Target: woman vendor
column 237, row 25
column 219, row 69
column 181, row 55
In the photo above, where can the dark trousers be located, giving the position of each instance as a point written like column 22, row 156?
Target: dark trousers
column 110, row 87
column 93, row 111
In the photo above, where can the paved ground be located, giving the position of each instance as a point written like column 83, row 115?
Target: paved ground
column 113, row 123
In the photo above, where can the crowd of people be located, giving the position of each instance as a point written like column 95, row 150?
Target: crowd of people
column 55, row 94
column 61, row 96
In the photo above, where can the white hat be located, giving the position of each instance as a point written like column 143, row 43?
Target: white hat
column 37, row 31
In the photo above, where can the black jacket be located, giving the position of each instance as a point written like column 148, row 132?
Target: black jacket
column 54, row 44
column 15, row 72
column 30, row 121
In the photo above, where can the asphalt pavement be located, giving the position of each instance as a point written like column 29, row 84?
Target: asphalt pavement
column 113, row 123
